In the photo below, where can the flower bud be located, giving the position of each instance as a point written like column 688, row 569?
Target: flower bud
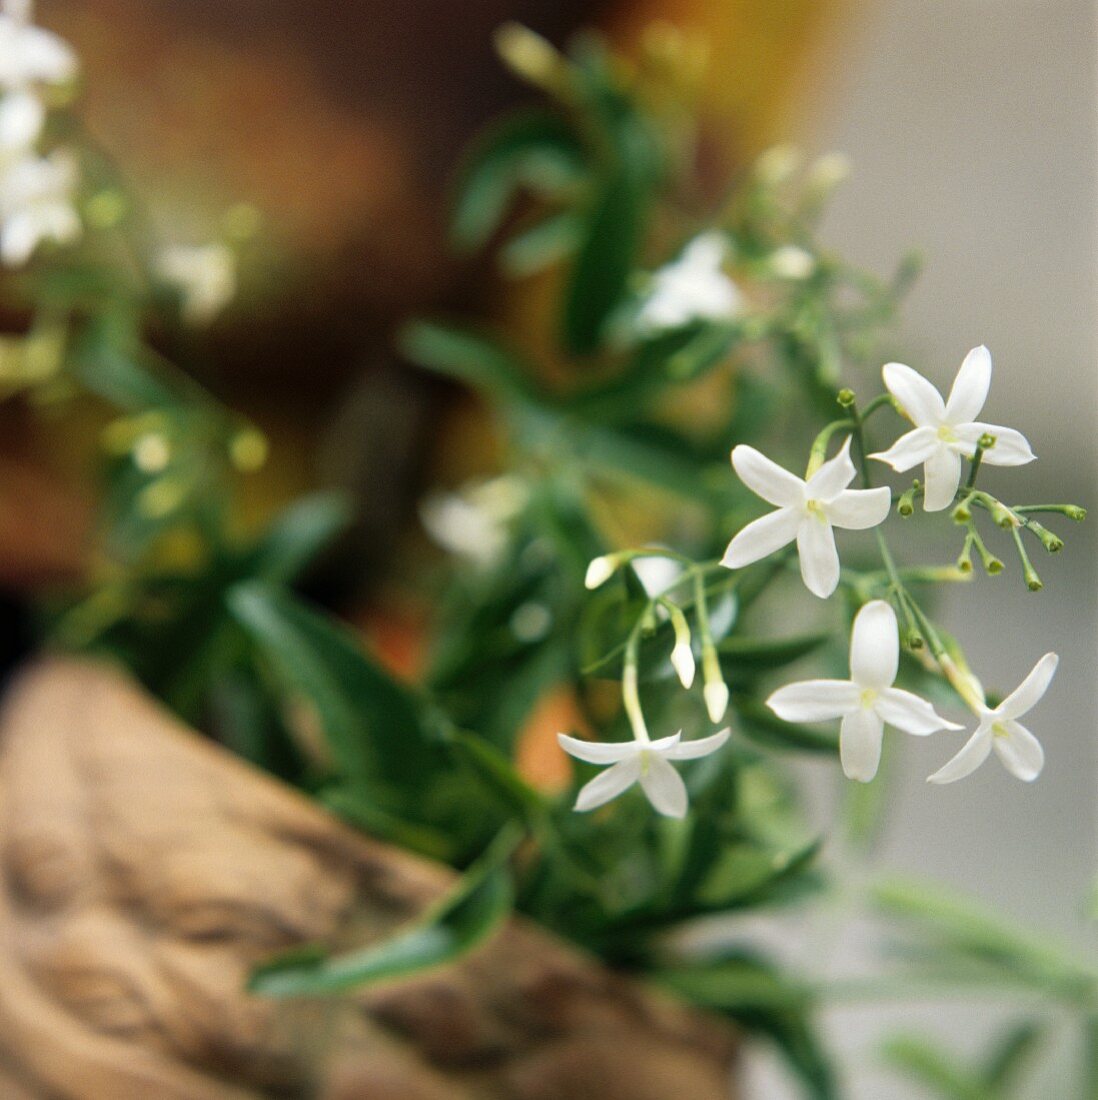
column 600, row 571
column 682, row 659
column 846, row 398
column 716, row 699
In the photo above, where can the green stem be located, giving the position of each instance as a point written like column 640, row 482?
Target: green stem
column 629, row 692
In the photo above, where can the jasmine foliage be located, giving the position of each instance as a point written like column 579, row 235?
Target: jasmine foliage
column 682, row 325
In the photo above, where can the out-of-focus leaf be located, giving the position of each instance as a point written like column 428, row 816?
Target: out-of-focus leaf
column 1010, row 1055
column 371, row 723
column 460, row 922
column 956, row 924
column 746, row 875
column 360, row 809
column 762, row 1000
column 536, row 148
column 472, row 358
column 764, row 654
column 497, row 773
column 927, row 1065
column 760, row 725
column 620, row 194
column 540, row 246
column 299, row 534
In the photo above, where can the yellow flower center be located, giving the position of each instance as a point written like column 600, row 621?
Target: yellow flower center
column 814, row 508
column 869, row 697
column 946, row 434
column 999, row 729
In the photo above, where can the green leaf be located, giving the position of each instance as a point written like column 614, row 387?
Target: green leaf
column 619, row 199
column 956, row 924
column 497, row 773
column 542, row 245
column 761, row 999
column 298, row 535
column 738, row 653
column 760, row 725
column 462, row 921
column 1009, row 1056
column 924, row 1063
column 470, row 357
column 536, row 148
column 371, row 723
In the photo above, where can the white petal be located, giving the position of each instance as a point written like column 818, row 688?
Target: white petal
column 819, row 558
column 919, row 399
column 1011, row 447
column 1030, row 691
column 21, row 118
column 663, row 786
column 970, row 387
column 832, row 477
column 972, row 755
column 859, row 509
column 761, row 537
column 860, row 744
column 910, row 449
column 691, row 750
column 609, row 784
column 767, row 479
column 18, row 240
column 44, row 56
column 943, row 476
column 874, row 646
column 910, row 713
column 1020, row 752
column 814, row 700
column 597, row 752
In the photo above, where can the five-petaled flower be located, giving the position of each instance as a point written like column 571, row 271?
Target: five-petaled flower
column 807, row 511
column 646, row 762
column 865, row 702
column 999, row 728
column 945, row 432
column 693, row 287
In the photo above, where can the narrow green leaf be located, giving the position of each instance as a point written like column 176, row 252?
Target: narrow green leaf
column 1010, row 1055
column 764, row 654
column 535, row 148
column 542, row 245
column 470, row 357
column 459, row 923
column 498, row 775
column 927, row 1065
column 298, row 535
column 760, row 725
column 371, row 723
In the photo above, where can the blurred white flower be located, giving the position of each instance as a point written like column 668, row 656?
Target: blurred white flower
column 204, row 275
column 865, row 702
column 791, row 262
column 999, row 729
column 21, row 117
column 37, row 203
column 946, row 431
column 807, row 511
column 31, row 55
column 474, row 522
column 694, row 287
column 646, row 762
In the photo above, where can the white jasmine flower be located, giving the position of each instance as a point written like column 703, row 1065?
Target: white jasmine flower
column 694, row 287
column 37, row 203
column 475, row 521
column 946, row 431
column 807, row 511
column 204, row 275
column 30, row 55
column 1018, row 749
column 646, row 762
column 865, row 702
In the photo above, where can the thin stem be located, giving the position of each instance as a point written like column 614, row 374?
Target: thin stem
column 629, row 693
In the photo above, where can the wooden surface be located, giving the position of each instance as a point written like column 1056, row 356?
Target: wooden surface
column 145, row 871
